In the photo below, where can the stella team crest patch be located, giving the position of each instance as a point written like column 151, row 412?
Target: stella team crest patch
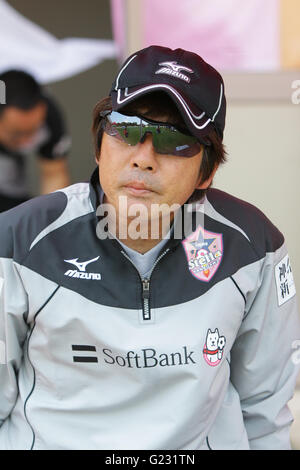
column 204, row 252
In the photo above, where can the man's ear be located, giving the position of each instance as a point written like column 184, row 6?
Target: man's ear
column 205, row 184
column 97, row 157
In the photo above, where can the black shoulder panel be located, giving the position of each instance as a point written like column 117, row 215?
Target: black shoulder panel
column 21, row 225
column 263, row 235
column 110, row 279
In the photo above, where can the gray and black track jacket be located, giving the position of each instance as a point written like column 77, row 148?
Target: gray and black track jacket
column 203, row 355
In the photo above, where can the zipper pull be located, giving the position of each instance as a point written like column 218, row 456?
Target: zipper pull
column 146, row 297
column 146, row 289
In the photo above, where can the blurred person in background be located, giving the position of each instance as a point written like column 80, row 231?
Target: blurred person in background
column 30, row 122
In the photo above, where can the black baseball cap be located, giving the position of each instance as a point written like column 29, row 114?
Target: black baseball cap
column 196, row 88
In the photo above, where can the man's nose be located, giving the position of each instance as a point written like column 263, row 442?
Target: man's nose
column 144, row 155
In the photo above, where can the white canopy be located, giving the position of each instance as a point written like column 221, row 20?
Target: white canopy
column 26, row 46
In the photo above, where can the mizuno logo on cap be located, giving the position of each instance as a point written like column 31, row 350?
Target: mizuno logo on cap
column 175, row 70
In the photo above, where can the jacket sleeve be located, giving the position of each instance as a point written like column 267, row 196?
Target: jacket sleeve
column 264, row 366
column 13, row 330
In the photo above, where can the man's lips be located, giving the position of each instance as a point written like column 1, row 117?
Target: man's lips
column 137, row 187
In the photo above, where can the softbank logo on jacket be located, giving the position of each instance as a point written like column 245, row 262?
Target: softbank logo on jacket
column 80, row 272
column 150, row 357
column 144, row 358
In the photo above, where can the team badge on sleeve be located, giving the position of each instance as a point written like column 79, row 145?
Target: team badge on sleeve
column 284, row 280
column 204, row 251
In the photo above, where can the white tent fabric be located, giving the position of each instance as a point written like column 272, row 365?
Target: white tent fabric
column 26, row 46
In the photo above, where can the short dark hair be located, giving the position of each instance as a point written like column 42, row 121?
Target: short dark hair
column 21, row 89
column 155, row 105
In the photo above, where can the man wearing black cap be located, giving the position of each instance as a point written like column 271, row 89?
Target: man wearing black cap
column 124, row 331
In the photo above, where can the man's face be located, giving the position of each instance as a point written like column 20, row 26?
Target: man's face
column 18, row 127
column 144, row 176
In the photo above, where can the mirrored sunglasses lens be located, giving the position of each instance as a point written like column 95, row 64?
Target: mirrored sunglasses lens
column 169, row 141
column 125, row 128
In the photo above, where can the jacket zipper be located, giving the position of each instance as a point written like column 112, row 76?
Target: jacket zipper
column 146, row 284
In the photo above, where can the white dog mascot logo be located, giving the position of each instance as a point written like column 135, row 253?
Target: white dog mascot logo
column 214, row 347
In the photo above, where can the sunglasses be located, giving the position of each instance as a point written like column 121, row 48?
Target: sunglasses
column 166, row 139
